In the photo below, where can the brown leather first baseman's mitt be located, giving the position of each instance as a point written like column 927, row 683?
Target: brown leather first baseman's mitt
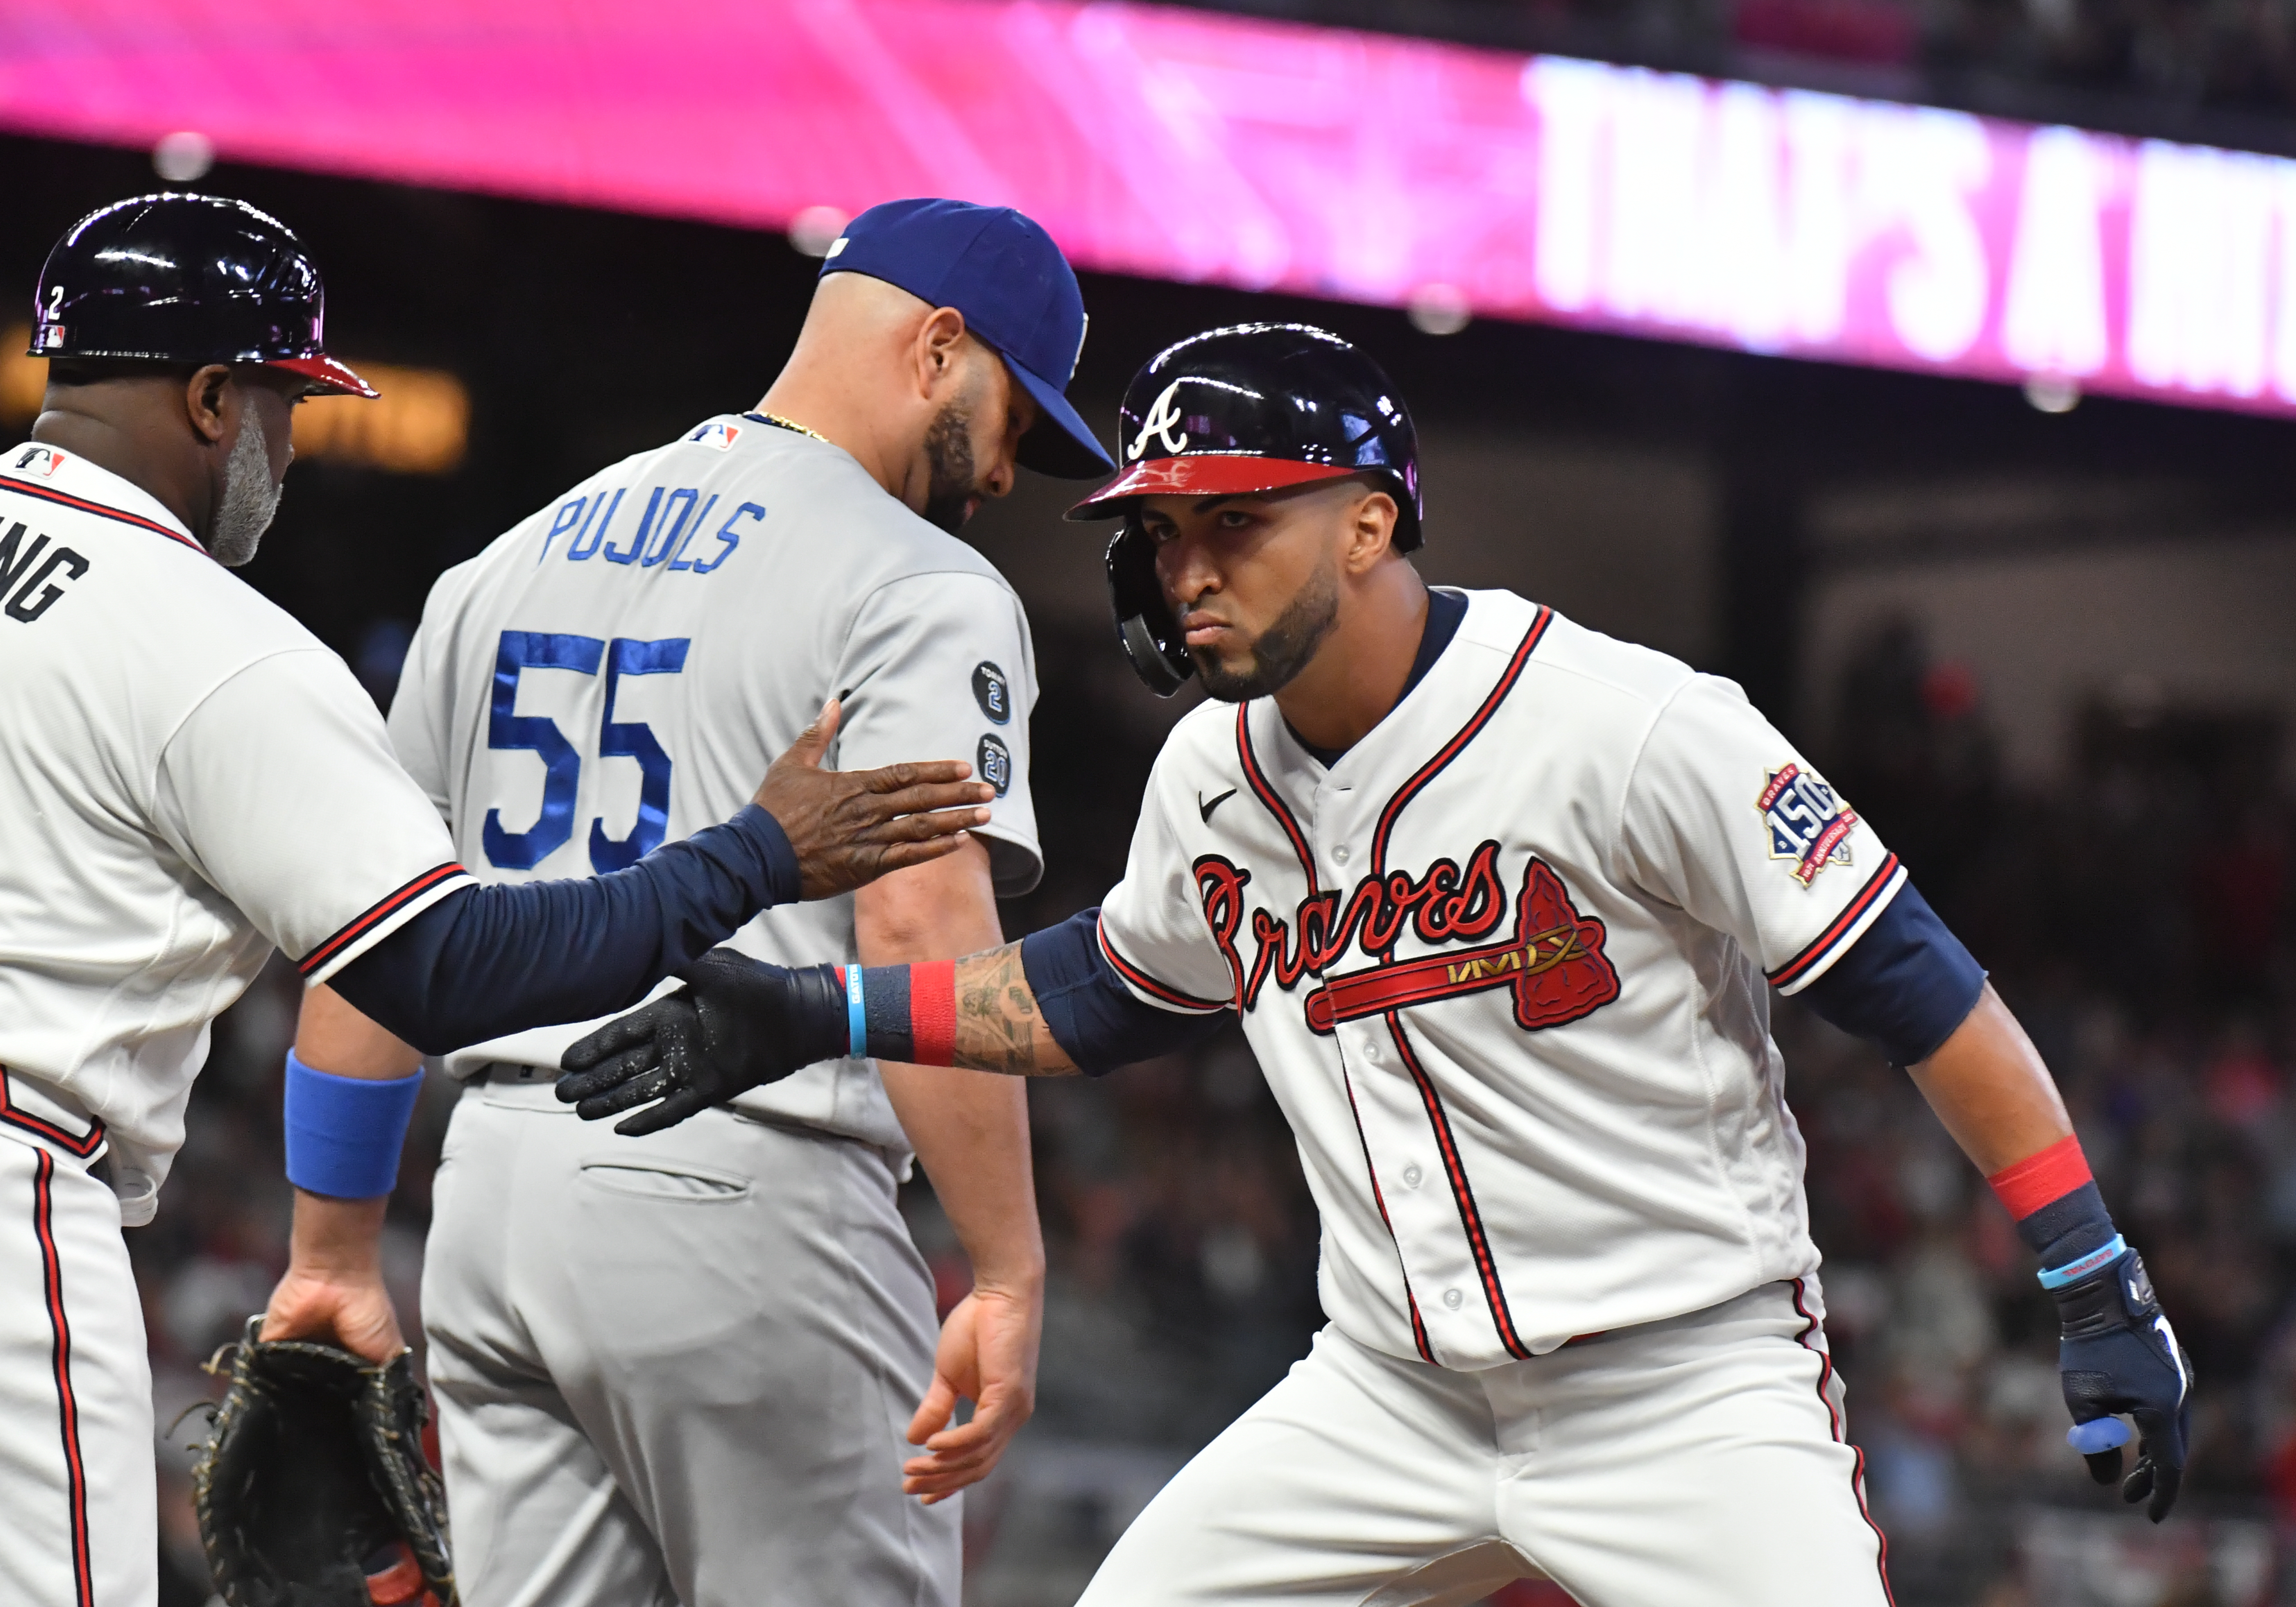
column 313, row 1490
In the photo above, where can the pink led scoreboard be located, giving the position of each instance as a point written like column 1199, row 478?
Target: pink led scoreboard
column 1181, row 145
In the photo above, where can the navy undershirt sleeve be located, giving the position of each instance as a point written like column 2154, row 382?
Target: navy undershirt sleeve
column 1904, row 986
column 1095, row 1019
column 485, row 961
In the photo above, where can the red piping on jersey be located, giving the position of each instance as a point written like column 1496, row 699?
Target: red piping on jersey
column 1268, row 795
column 52, row 1279
column 1470, row 1217
column 81, row 1147
column 1418, row 1328
column 381, row 910
column 1262, row 790
column 1833, row 1424
column 1144, row 982
column 1467, row 733
column 66, row 499
column 1462, row 1195
column 1787, row 974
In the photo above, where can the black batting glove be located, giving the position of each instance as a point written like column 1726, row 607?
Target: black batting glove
column 2119, row 1357
column 737, row 1024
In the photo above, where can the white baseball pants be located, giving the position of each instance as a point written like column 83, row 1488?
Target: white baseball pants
column 1694, row 1462
column 677, row 1369
column 79, row 1516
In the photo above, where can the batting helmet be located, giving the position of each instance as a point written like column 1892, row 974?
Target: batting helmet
column 1250, row 408
column 183, row 278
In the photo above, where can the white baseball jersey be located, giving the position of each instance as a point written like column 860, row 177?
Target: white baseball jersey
column 621, row 667
column 1505, row 966
column 189, row 778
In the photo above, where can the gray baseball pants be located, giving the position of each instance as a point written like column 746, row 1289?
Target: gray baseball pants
column 676, row 1369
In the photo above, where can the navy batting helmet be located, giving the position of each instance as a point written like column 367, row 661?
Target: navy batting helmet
column 183, row 278
column 1250, row 408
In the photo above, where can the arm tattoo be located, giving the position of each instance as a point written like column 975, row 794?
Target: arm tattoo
column 998, row 1028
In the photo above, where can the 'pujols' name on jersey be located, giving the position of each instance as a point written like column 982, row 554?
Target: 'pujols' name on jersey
column 1506, row 965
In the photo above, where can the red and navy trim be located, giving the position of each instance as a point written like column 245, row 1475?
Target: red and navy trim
column 65, row 499
column 52, row 1283
column 1463, row 1193
column 1264, row 790
column 1147, row 984
column 1833, row 1424
column 81, row 1146
column 1467, row 734
column 1418, row 1328
column 375, row 914
column 1807, row 964
column 1471, row 1217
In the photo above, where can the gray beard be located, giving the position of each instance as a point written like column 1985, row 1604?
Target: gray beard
column 251, row 496
column 1283, row 648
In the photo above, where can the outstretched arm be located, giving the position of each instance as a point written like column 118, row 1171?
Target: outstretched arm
column 999, row 1027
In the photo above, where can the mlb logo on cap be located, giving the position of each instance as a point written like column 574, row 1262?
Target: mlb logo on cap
column 1017, row 293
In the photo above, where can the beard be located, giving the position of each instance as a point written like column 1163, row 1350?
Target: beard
column 251, row 496
column 949, row 454
column 1283, row 648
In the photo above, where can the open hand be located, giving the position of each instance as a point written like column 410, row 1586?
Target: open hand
column 851, row 826
column 737, row 1024
column 987, row 1354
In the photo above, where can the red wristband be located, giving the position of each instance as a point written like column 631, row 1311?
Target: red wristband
column 932, row 1012
column 2043, row 1179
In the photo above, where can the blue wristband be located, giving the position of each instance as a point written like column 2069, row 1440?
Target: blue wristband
column 344, row 1133
column 857, row 1013
column 2074, row 1271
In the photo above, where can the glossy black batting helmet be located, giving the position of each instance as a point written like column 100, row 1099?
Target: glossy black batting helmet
column 1253, row 407
column 182, row 278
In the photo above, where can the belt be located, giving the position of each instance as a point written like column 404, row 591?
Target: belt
column 514, row 1073
column 48, row 1113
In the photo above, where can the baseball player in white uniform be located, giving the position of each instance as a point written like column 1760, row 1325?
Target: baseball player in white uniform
column 690, row 1368
column 1500, row 901
column 190, row 779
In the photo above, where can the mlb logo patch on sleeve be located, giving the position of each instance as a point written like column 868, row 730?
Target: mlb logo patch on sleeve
column 1809, row 822
column 720, row 433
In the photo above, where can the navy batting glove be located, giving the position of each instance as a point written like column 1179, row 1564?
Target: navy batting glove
column 2120, row 1356
column 737, row 1024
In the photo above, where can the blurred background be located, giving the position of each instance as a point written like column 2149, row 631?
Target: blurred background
column 2024, row 594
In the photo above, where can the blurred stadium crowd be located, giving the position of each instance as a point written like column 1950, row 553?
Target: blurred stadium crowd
column 2137, row 918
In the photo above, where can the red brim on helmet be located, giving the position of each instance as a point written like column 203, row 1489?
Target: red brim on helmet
column 1202, row 474
column 330, row 374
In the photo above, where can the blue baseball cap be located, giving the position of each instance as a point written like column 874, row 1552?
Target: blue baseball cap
column 1017, row 293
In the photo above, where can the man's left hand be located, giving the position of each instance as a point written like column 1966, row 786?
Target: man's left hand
column 2120, row 1356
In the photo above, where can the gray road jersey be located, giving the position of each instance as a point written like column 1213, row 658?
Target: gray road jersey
column 618, row 670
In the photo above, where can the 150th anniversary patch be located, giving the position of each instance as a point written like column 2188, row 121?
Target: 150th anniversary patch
column 1809, row 822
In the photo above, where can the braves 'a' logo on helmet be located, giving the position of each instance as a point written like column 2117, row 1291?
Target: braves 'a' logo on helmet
column 1163, row 420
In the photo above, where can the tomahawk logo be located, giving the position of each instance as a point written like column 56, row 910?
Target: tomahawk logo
column 1162, row 422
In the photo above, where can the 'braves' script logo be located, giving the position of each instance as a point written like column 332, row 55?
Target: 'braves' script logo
column 1163, row 421
column 1553, row 962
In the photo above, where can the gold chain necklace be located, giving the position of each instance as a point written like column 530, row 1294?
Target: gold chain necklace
column 775, row 418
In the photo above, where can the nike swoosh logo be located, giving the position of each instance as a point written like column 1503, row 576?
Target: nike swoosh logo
column 1205, row 809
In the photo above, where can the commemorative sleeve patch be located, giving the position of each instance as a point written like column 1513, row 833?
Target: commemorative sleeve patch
column 1808, row 821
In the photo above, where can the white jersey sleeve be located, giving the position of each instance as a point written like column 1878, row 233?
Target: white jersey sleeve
column 421, row 718
column 1726, row 821
column 281, row 789
column 1152, row 927
column 940, row 666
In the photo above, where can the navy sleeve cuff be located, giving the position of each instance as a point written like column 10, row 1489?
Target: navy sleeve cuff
column 782, row 883
column 1904, row 986
column 1093, row 1016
